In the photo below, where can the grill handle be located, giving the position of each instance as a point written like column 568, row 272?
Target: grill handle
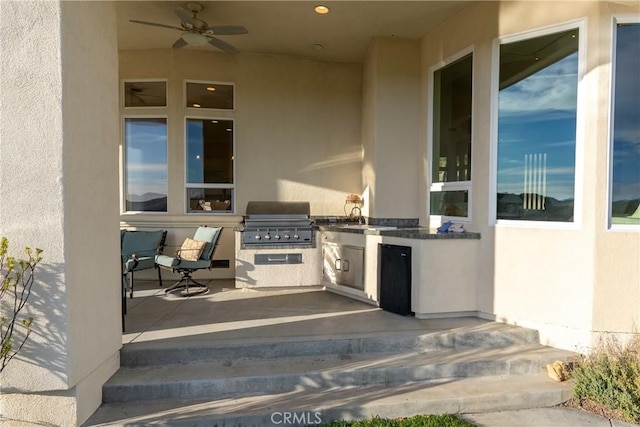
column 279, row 258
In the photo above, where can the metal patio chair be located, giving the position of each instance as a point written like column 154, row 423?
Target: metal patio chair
column 189, row 259
column 138, row 250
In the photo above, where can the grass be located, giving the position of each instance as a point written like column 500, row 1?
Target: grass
column 416, row 421
column 609, row 377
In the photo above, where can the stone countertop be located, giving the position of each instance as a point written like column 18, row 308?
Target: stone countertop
column 402, row 232
column 422, row 233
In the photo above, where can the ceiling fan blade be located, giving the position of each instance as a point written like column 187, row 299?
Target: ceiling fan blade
column 179, row 43
column 154, row 24
column 222, row 45
column 184, row 15
column 227, row 30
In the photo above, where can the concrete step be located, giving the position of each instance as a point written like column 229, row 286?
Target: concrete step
column 306, row 405
column 237, row 377
column 489, row 335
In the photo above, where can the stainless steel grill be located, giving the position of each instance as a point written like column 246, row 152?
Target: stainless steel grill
column 277, row 224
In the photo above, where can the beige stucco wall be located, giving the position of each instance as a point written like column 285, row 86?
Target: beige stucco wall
column 56, row 122
column 444, row 276
column 617, row 267
column 391, row 136
column 369, row 117
column 297, row 124
column 560, row 281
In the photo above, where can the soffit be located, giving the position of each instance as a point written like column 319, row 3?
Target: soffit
column 289, row 27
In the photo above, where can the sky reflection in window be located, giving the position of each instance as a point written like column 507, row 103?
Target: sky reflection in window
column 146, row 164
column 626, row 127
column 537, row 128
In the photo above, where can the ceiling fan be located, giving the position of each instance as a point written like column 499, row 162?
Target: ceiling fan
column 197, row 32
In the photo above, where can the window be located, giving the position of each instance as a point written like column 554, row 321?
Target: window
column 217, row 96
column 625, row 167
column 145, row 94
column 210, row 165
column 536, row 147
column 451, row 139
column 145, row 164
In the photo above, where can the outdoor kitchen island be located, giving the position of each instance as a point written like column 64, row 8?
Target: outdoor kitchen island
column 443, row 265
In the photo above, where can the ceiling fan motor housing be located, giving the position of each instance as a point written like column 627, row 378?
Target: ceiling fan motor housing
column 197, row 24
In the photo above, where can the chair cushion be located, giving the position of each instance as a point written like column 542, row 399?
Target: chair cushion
column 178, row 264
column 209, row 235
column 191, row 249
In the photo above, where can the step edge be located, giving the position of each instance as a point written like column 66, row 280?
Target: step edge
column 315, row 380
column 558, row 392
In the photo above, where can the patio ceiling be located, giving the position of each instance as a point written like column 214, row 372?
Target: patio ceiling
column 290, row 28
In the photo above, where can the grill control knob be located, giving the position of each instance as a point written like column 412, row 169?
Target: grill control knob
column 267, row 237
column 296, row 237
column 257, row 237
column 277, row 237
column 286, row 237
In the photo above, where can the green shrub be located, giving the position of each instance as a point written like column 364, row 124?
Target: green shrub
column 416, row 421
column 16, row 279
column 610, row 376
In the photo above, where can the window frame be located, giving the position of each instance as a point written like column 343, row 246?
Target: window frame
column 123, row 163
column 609, row 225
column 157, row 107
column 192, row 110
column 436, row 220
column 581, row 26
column 187, row 185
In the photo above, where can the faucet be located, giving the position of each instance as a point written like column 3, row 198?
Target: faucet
column 359, row 217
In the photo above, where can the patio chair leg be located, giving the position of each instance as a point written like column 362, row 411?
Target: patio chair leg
column 159, row 275
column 124, row 306
column 131, row 286
column 182, row 286
column 124, row 294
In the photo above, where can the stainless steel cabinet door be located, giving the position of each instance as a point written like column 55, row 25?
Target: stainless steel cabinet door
column 343, row 265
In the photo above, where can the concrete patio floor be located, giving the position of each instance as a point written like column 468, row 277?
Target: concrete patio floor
column 230, row 314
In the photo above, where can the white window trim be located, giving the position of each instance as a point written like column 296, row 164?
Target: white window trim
column 453, row 186
column 123, row 160
column 122, row 95
column 195, row 109
column 436, row 220
column 581, row 25
column 609, row 226
column 187, row 185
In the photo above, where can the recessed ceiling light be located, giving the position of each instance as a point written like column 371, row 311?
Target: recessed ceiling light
column 197, row 105
column 211, row 89
column 317, row 46
column 322, row 10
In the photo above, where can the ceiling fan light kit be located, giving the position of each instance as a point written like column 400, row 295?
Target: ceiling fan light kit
column 197, row 32
column 194, row 38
